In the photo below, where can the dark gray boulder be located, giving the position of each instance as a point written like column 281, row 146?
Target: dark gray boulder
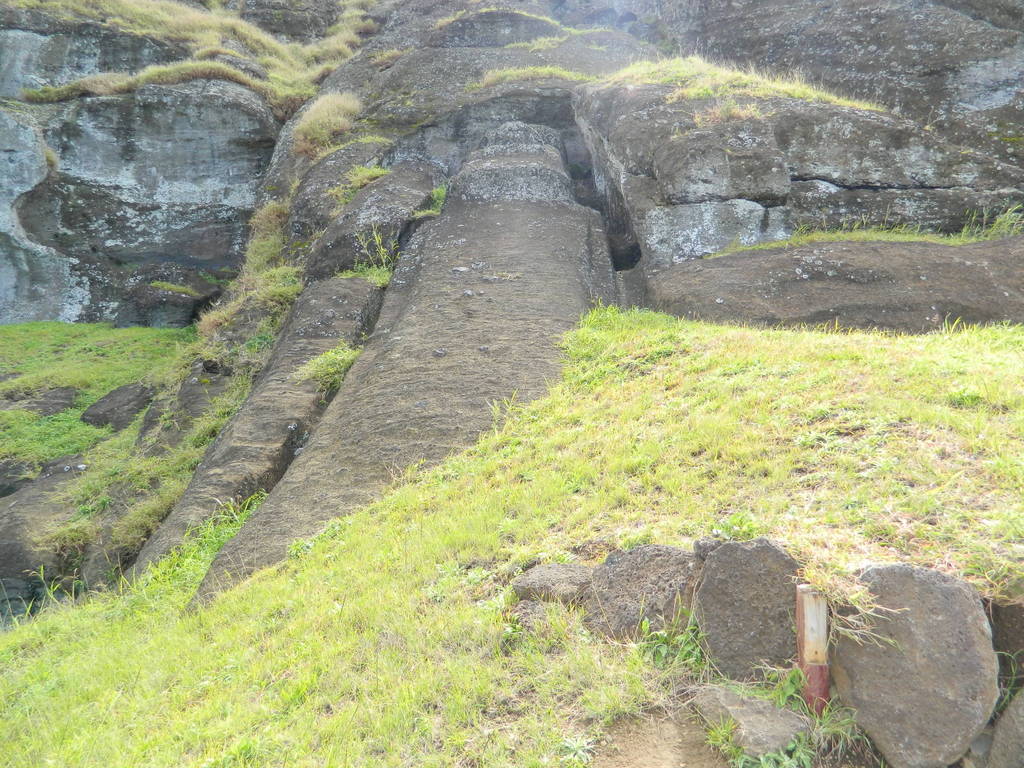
column 911, row 287
column 119, row 407
column 761, row 728
column 650, row 583
column 13, row 475
column 491, row 28
column 744, row 604
column 566, row 583
column 1008, row 737
column 925, row 684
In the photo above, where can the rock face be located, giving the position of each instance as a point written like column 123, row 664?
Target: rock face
column 651, row 583
column 45, row 403
column 953, row 65
column 118, row 408
column 927, row 688
column 760, row 727
column 478, row 299
column 684, row 182
column 1008, row 637
column 38, row 50
column 255, row 448
column 102, row 191
column 744, row 605
column 905, row 286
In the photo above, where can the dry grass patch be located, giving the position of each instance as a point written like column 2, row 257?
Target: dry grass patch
column 517, row 74
column 324, row 121
column 696, row 78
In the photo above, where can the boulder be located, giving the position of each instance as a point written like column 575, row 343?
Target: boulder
column 651, row 582
column 119, row 407
column 912, row 287
column 13, row 475
column 530, row 614
column 1008, row 738
column 491, row 28
column 925, row 684
column 744, row 604
column 566, row 583
column 302, row 20
column 761, row 727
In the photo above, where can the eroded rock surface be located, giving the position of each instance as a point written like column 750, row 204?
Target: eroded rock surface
column 255, row 448
column 566, row 583
column 904, row 286
column 761, row 728
column 473, row 313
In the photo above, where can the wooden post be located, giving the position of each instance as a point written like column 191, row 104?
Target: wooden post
column 812, row 645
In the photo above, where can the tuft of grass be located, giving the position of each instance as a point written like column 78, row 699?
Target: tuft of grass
column 725, row 112
column 696, row 78
column 328, row 369
column 185, row 290
column 981, row 227
column 384, row 59
column 92, row 358
column 324, row 121
column 386, row 640
column 517, row 74
column 357, row 178
column 437, row 197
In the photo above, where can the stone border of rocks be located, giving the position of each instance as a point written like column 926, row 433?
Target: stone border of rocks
column 924, row 687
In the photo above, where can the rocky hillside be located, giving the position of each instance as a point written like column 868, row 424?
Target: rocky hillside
column 316, row 248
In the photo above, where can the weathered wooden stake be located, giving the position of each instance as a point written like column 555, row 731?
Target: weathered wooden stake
column 812, row 645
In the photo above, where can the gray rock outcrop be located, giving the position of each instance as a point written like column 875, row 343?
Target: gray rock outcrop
column 566, row 583
column 118, row 408
column 926, row 684
column 1008, row 737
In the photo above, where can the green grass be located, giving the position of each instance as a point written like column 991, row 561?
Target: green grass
column 437, row 197
column 982, row 227
column 519, row 74
column 357, row 178
column 386, row 642
column 329, row 368
column 92, row 358
column 695, row 78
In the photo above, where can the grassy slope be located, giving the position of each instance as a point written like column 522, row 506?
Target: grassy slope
column 93, row 359
column 385, row 642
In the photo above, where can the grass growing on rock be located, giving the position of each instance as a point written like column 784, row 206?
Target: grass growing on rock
column 92, row 358
column 328, row 369
column 982, row 227
column 385, row 642
column 696, row 78
column 519, row 74
column 357, row 178
column 324, row 121
column 292, row 69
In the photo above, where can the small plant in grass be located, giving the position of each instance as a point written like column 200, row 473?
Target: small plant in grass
column 328, row 369
column 379, row 255
column 437, row 198
column 678, row 645
column 324, row 121
column 576, row 751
